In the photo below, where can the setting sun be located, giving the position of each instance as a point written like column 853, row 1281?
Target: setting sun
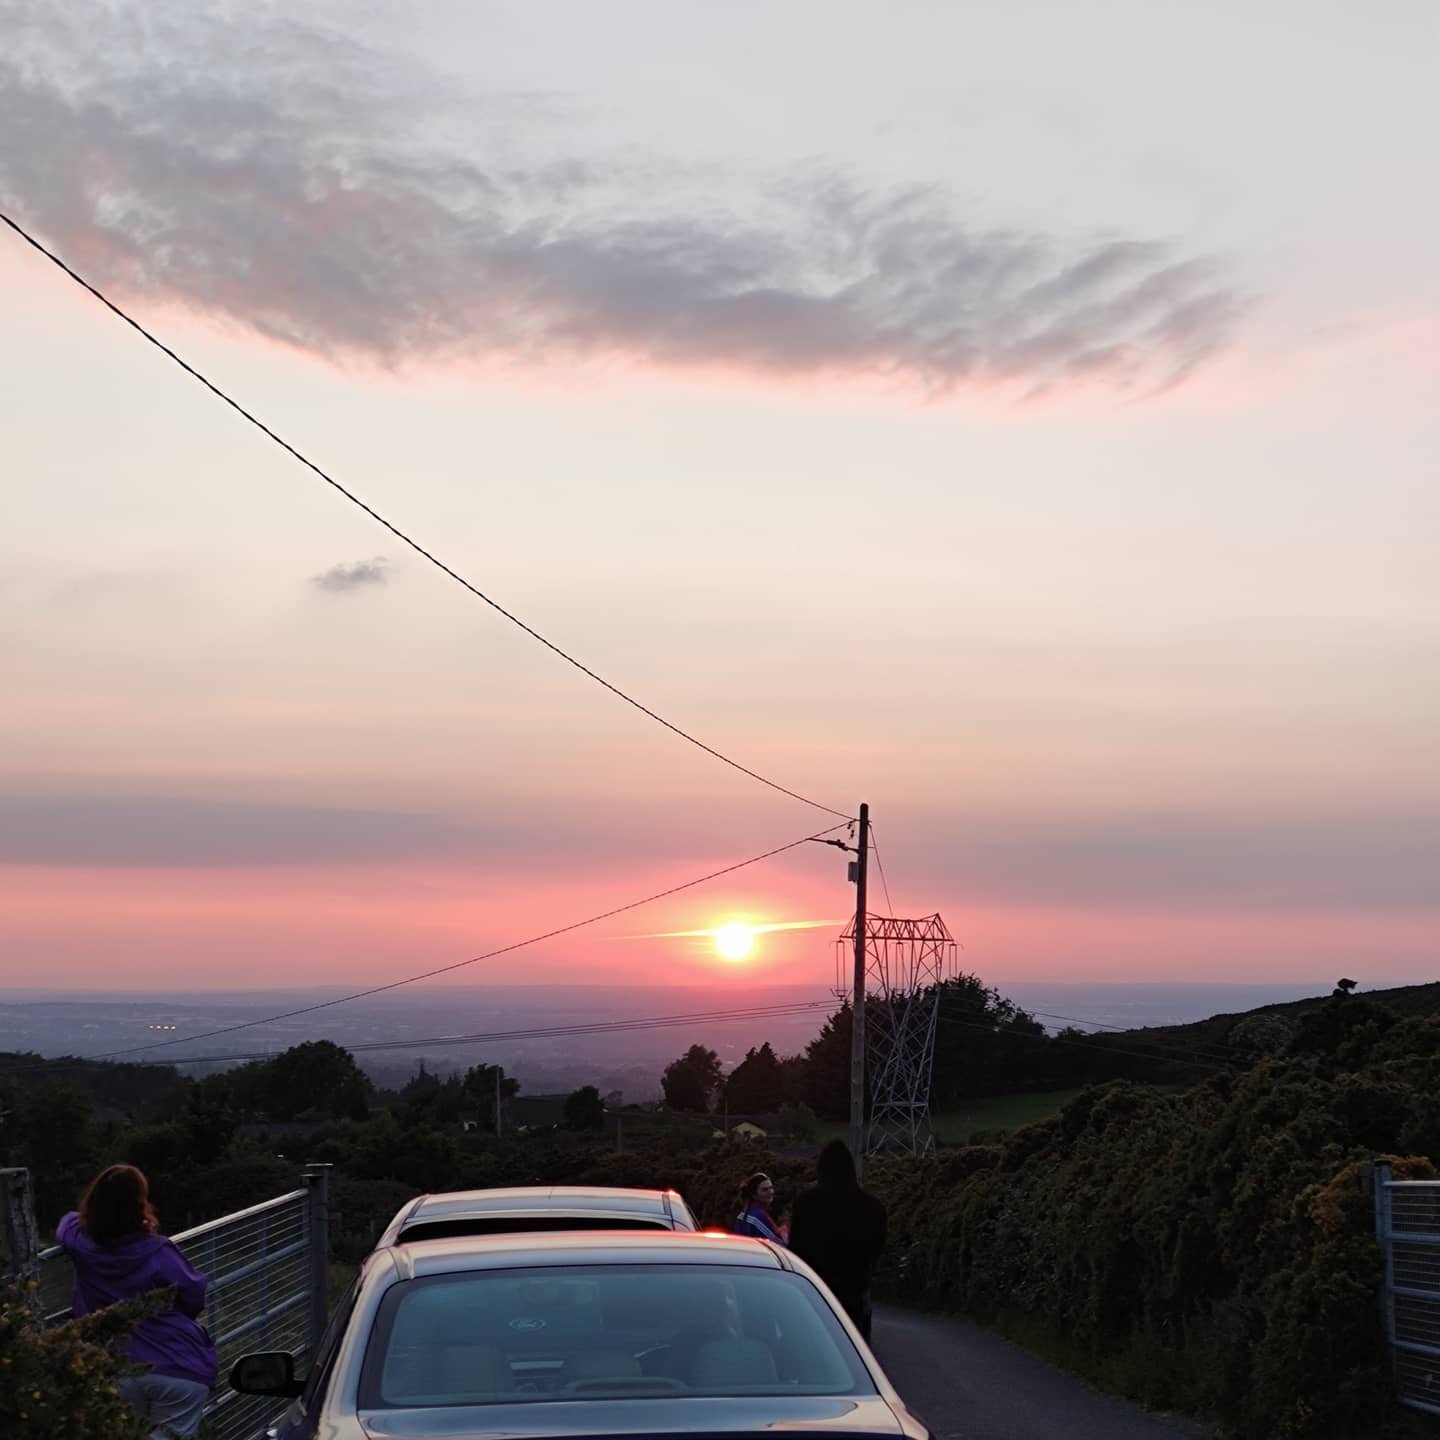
column 734, row 942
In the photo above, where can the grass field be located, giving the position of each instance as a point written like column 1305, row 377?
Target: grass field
column 992, row 1113
column 999, row 1112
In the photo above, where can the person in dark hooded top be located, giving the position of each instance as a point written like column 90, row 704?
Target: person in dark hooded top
column 118, row 1255
column 839, row 1230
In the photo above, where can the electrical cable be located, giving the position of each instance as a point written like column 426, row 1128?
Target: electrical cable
column 460, row 964
column 399, row 534
column 1220, row 1057
column 880, row 865
column 1124, row 1029
column 1173, row 1058
column 778, row 1011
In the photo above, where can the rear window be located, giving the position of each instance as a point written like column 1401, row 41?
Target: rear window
column 518, row 1225
column 605, row 1332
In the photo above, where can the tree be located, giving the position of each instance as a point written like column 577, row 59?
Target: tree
column 796, row 1122
column 795, row 1080
column 478, row 1089
column 985, row 1044
column 827, row 1065
column 584, row 1109
column 691, row 1082
column 756, row 1085
column 49, row 1128
column 208, row 1122
column 317, row 1077
column 440, row 1102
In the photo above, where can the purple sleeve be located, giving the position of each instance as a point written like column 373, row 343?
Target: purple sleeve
column 189, row 1283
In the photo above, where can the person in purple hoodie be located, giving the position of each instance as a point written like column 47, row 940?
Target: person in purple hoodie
column 118, row 1254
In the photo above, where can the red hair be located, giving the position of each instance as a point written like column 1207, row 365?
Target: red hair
column 116, row 1205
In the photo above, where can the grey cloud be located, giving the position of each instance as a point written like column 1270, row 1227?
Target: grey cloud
column 1157, row 861
column 1353, row 862
column 291, row 181
column 114, row 827
column 342, row 579
column 166, row 830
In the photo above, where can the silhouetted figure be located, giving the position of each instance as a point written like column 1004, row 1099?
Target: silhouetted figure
column 839, row 1229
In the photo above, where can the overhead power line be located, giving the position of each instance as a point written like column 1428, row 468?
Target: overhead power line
column 1174, row 1057
column 402, row 536
column 1140, row 1030
column 884, row 883
column 778, row 1011
column 957, row 1003
column 457, row 964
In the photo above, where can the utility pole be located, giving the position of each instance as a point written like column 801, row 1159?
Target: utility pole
column 857, row 999
column 499, row 1083
column 859, row 868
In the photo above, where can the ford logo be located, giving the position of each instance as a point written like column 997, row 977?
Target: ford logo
column 526, row 1323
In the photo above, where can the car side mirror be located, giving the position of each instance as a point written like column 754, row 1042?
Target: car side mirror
column 266, row 1372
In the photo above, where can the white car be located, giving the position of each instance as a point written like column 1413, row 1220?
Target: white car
column 536, row 1210
column 585, row 1336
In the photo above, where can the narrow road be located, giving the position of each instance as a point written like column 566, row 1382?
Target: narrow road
column 967, row 1384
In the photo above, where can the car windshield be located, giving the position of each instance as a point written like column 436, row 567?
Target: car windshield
column 522, row 1224
column 605, row 1332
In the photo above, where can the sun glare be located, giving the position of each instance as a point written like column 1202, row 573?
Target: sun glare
column 734, row 942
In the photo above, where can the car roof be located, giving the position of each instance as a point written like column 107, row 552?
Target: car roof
column 577, row 1247
column 542, row 1200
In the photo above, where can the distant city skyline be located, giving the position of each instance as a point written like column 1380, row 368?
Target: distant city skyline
column 1023, row 421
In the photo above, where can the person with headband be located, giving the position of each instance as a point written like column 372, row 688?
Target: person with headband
column 757, row 1195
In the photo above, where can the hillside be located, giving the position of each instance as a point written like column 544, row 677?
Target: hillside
column 1248, row 1035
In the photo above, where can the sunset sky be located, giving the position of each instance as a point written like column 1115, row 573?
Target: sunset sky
column 1020, row 418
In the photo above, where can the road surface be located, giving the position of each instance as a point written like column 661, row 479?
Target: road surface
column 967, row 1384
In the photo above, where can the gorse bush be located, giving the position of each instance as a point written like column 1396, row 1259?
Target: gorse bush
column 1212, row 1251
column 61, row 1381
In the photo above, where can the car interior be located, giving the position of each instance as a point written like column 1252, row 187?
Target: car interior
column 488, row 1337
column 522, row 1225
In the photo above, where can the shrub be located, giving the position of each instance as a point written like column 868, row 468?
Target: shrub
column 1211, row 1251
column 61, row 1380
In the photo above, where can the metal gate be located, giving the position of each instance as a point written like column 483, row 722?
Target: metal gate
column 1407, row 1223
column 267, row 1269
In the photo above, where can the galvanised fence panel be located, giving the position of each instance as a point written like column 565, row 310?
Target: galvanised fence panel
column 1407, row 1222
column 265, row 1265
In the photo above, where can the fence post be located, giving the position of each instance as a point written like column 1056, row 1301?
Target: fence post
column 317, row 1219
column 17, row 1224
column 1384, row 1228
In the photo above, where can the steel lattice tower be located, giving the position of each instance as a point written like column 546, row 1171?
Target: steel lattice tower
column 907, row 961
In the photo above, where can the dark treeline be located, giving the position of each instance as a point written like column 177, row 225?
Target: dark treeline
column 223, row 1141
column 985, row 1044
column 198, row 1136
